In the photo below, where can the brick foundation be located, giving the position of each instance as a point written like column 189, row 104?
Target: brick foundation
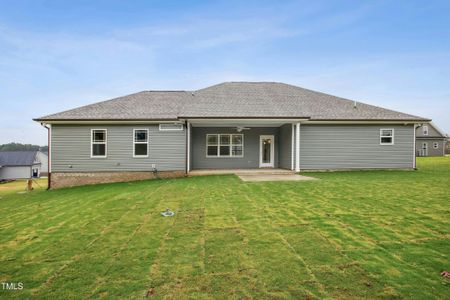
column 62, row 180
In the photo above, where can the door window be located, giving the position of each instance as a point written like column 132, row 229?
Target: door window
column 266, row 150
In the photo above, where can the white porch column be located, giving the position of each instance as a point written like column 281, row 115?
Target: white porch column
column 297, row 147
column 188, row 146
column 293, row 147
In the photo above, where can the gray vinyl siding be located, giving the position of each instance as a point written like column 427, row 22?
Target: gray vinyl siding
column 251, row 148
column 285, row 146
column 71, row 146
column 354, row 147
column 432, row 132
column 431, row 151
column 42, row 159
column 15, row 172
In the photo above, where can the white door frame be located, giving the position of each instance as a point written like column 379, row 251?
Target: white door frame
column 424, row 150
column 272, row 151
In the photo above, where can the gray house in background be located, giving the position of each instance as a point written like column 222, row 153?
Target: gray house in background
column 23, row 164
column 226, row 126
column 430, row 140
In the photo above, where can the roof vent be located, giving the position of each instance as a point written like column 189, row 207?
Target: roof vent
column 354, row 104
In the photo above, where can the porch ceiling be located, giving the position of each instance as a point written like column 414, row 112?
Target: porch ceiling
column 240, row 123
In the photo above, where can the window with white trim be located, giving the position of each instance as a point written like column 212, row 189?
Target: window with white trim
column 140, row 143
column 170, row 127
column 224, row 145
column 436, row 145
column 386, row 136
column 98, row 142
column 425, row 130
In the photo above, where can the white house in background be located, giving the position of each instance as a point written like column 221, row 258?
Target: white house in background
column 430, row 140
column 23, row 164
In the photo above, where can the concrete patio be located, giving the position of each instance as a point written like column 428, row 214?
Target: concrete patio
column 255, row 174
column 274, row 177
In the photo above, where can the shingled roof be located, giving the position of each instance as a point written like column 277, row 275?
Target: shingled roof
column 17, row 158
column 232, row 100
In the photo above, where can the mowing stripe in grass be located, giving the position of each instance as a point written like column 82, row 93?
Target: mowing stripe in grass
column 287, row 245
column 77, row 257
column 123, row 247
column 103, row 287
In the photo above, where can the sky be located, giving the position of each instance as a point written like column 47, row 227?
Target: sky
column 57, row 55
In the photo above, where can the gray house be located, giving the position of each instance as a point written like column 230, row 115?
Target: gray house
column 226, row 126
column 430, row 140
column 23, row 164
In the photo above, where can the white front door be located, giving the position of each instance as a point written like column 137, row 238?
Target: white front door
column 266, row 151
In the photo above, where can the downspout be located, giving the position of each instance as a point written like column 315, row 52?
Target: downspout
column 416, row 126
column 49, row 173
column 414, row 146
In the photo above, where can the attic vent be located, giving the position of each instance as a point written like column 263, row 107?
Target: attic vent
column 170, row 127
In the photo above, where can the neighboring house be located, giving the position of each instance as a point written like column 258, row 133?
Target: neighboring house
column 447, row 146
column 430, row 140
column 22, row 164
column 226, row 126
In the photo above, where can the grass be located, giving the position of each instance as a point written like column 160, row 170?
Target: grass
column 20, row 186
column 368, row 234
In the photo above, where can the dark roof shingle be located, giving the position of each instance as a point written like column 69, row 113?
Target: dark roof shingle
column 17, row 158
column 146, row 105
column 232, row 100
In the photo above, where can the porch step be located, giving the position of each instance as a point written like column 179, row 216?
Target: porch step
column 249, row 172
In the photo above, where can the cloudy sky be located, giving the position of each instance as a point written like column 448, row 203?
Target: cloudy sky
column 56, row 55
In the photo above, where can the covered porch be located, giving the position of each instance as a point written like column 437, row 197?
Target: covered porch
column 249, row 172
column 230, row 146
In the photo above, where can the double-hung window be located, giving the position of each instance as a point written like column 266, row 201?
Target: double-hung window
column 237, row 145
column 435, row 145
column 224, row 145
column 425, row 130
column 140, row 143
column 386, row 136
column 98, row 142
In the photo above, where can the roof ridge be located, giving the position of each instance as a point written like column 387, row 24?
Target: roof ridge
column 164, row 91
column 253, row 82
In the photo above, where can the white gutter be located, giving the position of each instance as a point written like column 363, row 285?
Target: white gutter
column 361, row 122
column 77, row 122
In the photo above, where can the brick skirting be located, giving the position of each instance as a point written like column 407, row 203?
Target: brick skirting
column 62, row 180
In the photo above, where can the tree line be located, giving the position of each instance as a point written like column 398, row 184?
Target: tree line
column 22, row 147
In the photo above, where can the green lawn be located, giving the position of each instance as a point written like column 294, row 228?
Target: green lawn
column 371, row 234
column 20, row 186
